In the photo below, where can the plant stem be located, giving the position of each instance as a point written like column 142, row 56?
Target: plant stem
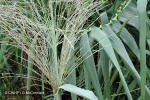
column 57, row 96
column 30, row 66
column 42, row 86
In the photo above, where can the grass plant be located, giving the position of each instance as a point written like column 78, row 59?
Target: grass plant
column 75, row 49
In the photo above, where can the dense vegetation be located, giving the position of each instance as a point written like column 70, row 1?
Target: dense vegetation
column 75, row 49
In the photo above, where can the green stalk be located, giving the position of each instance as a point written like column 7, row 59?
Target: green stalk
column 3, row 48
column 42, row 86
column 55, row 62
column 141, row 6
column 30, row 66
column 54, row 40
column 57, row 95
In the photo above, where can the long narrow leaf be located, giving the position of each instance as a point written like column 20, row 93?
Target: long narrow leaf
column 87, row 55
column 141, row 7
column 103, row 40
column 79, row 91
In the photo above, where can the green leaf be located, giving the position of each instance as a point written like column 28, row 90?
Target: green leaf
column 141, row 7
column 104, row 41
column 120, row 49
column 89, row 63
column 126, row 37
column 79, row 91
column 104, row 59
